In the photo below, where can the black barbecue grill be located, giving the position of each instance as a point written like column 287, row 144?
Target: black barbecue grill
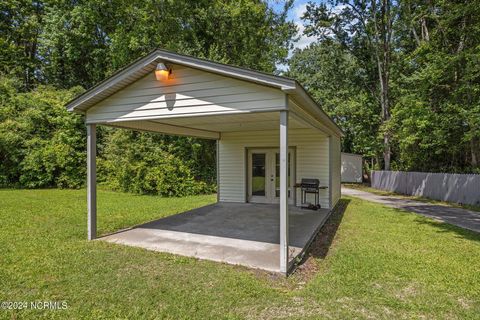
column 310, row 186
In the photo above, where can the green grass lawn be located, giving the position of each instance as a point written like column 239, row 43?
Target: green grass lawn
column 381, row 263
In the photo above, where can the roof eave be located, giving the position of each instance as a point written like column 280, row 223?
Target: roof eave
column 227, row 70
column 301, row 94
column 144, row 64
column 73, row 104
column 161, row 55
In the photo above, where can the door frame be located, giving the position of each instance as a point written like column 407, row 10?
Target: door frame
column 269, row 170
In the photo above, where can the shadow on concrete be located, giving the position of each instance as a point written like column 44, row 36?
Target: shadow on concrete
column 243, row 221
column 445, row 227
column 456, row 216
column 460, row 217
column 323, row 241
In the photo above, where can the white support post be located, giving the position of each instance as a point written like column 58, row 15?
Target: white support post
column 218, row 169
column 284, row 191
column 330, row 163
column 92, row 180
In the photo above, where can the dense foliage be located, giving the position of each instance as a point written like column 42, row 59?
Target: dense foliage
column 41, row 144
column 50, row 50
column 401, row 77
column 147, row 163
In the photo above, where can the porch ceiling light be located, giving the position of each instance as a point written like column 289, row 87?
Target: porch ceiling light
column 162, row 72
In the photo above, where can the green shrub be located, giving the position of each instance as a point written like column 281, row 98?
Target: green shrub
column 43, row 145
column 136, row 162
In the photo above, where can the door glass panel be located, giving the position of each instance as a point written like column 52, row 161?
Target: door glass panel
column 258, row 174
column 277, row 175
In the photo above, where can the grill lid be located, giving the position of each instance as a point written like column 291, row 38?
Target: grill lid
column 310, row 183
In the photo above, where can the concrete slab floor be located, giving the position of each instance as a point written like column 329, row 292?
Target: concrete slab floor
column 237, row 233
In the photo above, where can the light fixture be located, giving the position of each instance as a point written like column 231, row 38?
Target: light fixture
column 162, row 72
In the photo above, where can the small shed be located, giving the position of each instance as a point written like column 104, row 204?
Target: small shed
column 270, row 133
column 352, row 167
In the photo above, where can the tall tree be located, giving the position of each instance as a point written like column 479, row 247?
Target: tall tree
column 71, row 43
column 106, row 35
column 342, row 86
column 436, row 118
column 420, row 61
column 20, row 30
column 360, row 26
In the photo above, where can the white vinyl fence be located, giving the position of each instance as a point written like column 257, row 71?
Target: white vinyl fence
column 459, row 188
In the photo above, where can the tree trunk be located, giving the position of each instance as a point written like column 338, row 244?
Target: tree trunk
column 366, row 170
column 473, row 150
column 425, row 33
column 386, row 112
column 384, row 75
column 387, row 152
column 415, row 36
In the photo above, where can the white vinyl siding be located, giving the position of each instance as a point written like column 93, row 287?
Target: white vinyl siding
column 190, row 92
column 311, row 150
column 336, row 168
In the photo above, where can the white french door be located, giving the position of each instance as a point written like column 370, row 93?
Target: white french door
column 264, row 175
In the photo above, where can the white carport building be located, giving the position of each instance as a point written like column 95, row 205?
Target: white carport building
column 270, row 134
